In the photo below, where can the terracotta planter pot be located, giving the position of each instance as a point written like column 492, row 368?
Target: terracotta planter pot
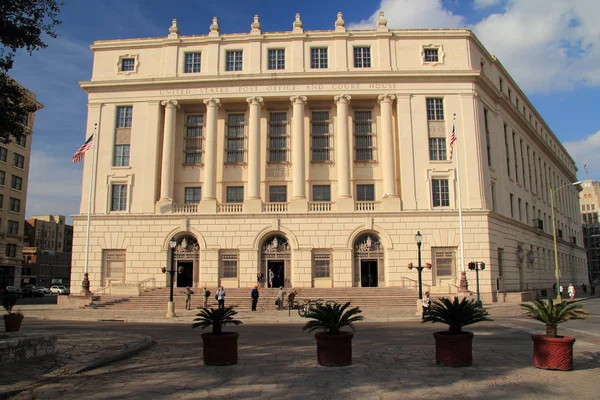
column 553, row 353
column 220, row 349
column 12, row 322
column 334, row 350
column 453, row 350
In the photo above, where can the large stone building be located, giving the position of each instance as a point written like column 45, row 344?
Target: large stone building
column 14, row 176
column 319, row 155
column 590, row 206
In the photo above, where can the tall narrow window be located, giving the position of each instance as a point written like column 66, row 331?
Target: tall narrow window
column 235, row 138
column 278, row 137
column 322, row 265
column 276, row 59
column 193, row 195
column 122, row 136
column 13, row 227
column 18, row 160
column 194, row 139
column 321, row 193
column 318, row 57
column 501, row 83
column 531, row 187
column 362, row 57
column 493, row 187
column 437, row 149
column 320, row 134
column 2, row 177
column 364, row 138
column 235, row 194
column 229, row 265
column 233, row 60
column 118, row 198
column 3, row 154
column 512, row 205
column 520, row 207
column 440, row 193
column 124, row 116
column 14, row 205
column 435, row 109
column 500, row 261
column 514, row 143
column 192, row 63
column 365, row 192
column 487, row 137
column 443, row 261
column 521, row 148
column 278, row 194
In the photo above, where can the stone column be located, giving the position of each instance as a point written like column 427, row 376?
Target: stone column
column 390, row 198
column 299, row 202
column 344, row 200
column 252, row 201
column 208, row 204
column 168, row 150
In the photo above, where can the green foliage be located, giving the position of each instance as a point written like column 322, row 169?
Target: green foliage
column 552, row 314
column 332, row 318
column 8, row 301
column 217, row 318
column 455, row 313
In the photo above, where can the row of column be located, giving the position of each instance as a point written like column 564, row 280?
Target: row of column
column 298, row 152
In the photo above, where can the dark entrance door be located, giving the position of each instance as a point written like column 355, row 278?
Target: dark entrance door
column 185, row 273
column 368, row 273
column 278, row 269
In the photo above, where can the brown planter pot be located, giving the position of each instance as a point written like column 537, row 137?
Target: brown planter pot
column 334, row 350
column 553, row 353
column 12, row 322
column 220, row 349
column 453, row 350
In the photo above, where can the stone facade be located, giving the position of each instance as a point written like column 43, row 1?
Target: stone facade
column 590, row 206
column 334, row 143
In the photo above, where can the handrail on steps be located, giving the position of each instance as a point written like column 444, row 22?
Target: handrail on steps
column 100, row 290
column 414, row 284
column 145, row 282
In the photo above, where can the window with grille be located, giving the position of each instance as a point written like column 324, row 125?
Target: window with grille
column 235, row 138
column 440, row 192
column 278, row 194
column 318, row 57
column 320, row 133
column 194, row 139
column 362, row 57
column 321, row 193
column 114, row 264
column 118, row 198
column 16, row 182
column 10, row 250
column 124, row 116
column 13, row 227
column 18, row 160
column 193, row 195
column 14, row 204
column 431, row 55
column 437, row 149
column 235, row 194
column 364, row 138
column 192, row 63
column 121, row 156
column 276, row 59
column 443, row 259
column 278, row 137
column 233, row 60
column 127, row 64
column 322, row 265
column 229, row 265
column 435, row 109
column 365, row 192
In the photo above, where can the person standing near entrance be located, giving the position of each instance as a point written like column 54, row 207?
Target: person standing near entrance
column 259, row 277
column 571, row 291
column 188, row 298
column 221, row 297
column 425, row 303
column 271, row 276
column 254, row 295
column 206, row 296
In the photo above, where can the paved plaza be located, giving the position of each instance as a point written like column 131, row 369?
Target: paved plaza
column 392, row 360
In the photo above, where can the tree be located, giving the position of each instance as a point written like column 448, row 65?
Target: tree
column 23, row 23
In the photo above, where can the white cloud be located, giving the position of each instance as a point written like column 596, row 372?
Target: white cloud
column 585, row 152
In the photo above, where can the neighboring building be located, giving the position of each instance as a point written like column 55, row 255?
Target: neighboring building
column 590, row 205
column 49, row 232
column 319, row 155
column 14, row 176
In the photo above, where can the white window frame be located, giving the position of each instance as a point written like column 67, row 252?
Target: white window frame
column 118, row 180
column 235, row 49
column 229, row 256
column 448, row 174
column 322, row 255
column 184, row 62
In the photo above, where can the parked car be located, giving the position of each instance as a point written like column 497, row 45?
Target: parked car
column 31, row 291
column 15, row 290
column 43, row 289
column 59, row 289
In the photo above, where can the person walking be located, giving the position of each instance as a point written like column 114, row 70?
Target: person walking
column 270, row 277
column 206, row 296
column 188, row 298
column 560, row 289
column 281, row 298
column 426, row 303
column 221, row 297
column 584, row 287
column 571, row 291
column 259, row 277
column 593, row 288
column 254, row 295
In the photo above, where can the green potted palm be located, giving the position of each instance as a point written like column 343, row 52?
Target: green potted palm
column 454, row 347
column 551, row 351
column 12, row 320
column 334, row 346
column 219, row 348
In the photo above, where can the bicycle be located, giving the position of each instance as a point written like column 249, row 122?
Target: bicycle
column 310, row 305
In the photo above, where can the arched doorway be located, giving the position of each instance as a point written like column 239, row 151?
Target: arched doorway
column 187, row 254
column 276, row 257
column 368, row 261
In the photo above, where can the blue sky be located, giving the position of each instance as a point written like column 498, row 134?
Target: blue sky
column 554, row 56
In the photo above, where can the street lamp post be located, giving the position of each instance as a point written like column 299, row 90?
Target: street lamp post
column 418, row 238
column 556, row 270
column 477, row 266
column 171, row 305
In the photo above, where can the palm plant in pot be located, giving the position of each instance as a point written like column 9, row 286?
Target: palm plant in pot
column 219, row 348
column 454, row 347
column 334, row 346
column 12, row 320
column 551, row 351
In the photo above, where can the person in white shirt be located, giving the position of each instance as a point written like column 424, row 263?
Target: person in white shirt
column 571, row 291
column 426, row 303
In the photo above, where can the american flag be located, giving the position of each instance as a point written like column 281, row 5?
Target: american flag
column 452, row 139
column 78, row 156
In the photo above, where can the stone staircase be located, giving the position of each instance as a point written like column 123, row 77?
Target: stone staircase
column 365, row 298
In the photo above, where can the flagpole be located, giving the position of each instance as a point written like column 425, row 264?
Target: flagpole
column 85, row 284
column 463, row 285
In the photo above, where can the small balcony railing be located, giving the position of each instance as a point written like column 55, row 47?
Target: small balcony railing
column 366, row 205
column 185, row 208
column 319, row 206
column 231, row 208
column 275, row 207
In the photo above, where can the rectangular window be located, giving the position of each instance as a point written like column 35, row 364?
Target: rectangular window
column 16, row 182
column 121, row 157
column 527, row 213
column 114, row 264
column 529, row 171
column 2, row 177
column 118, row 198
column 21, row 141
column 318, row 57
column 3, row 154
column 235, row 140
column 443, row 259
column 1, row 200
column 321, row 193
column 124, row 116
column 233, row 60
column 10, row 250
column 500, row 261
column 365, row 192
column 14, row 204
column 520, row 207
column 501, row 82
column 431, row 55
column 364, row 138
column 13, row 227
column 440, row 192
column 493, row 187
column 278, row 194
column 235, row 194
column 276, row 59
column 362, row 57
column 320, row 137
column 512, row 205
column 127, row 64
column 521, row 148
column 487, row 137
column 514, row 143
column 437, row 149
column 435, row 109
column 192, row 195
column 18, row 160
column 278, row 137
column 322, row 265
column 229, row 265
column 192, row 63
column 194, row 139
